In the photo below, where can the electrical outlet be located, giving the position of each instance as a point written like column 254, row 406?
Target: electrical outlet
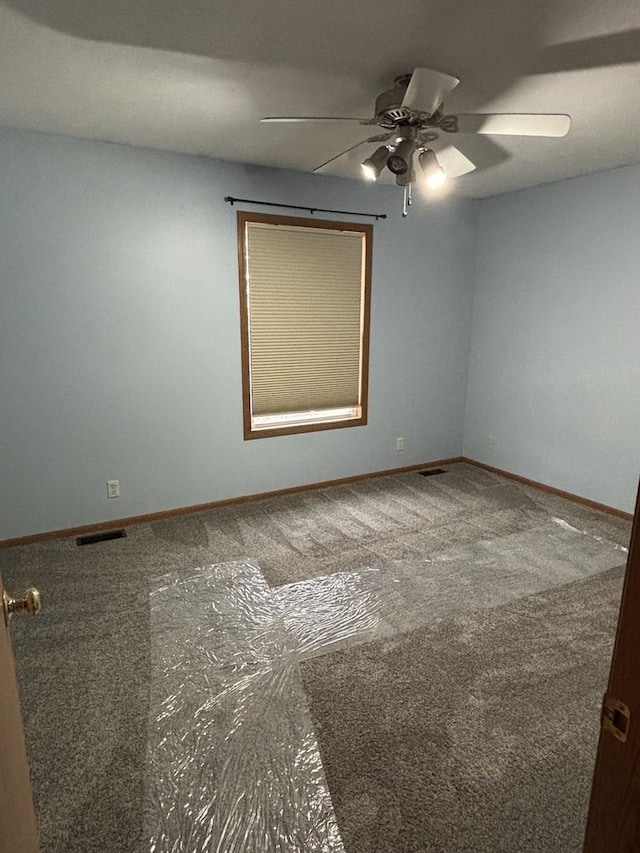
column 399, row 443
column 113, row 488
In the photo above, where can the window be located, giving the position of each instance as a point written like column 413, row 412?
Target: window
column 304, row 301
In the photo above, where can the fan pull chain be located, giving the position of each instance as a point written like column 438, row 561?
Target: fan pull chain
column 407, row 200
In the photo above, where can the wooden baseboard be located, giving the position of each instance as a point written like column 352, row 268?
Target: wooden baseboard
column 187, row 510
column 610, row 510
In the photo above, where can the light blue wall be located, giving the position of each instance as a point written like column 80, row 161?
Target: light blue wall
column 119, row 333
column 554, row 379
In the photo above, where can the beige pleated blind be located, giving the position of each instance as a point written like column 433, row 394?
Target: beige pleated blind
column 305, row 299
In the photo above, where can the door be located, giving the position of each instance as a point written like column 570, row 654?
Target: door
column 614, row 814
column 18, row 833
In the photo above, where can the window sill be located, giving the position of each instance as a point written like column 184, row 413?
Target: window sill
column 292, row 429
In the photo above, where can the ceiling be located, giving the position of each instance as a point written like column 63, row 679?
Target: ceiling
column 196, row 75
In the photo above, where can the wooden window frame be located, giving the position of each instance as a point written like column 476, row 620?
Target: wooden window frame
column 250, row 432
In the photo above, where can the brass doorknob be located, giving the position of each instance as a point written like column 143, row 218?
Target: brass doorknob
column 29, row 603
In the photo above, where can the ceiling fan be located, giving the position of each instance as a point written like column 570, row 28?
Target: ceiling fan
column 411, row 114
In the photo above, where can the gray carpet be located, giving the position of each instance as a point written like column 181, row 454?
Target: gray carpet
column 476, row 735
column 84, row 669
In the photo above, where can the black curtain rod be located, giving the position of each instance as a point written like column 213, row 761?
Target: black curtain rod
column 312, row 210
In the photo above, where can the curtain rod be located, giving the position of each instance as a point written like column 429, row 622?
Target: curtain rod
column 232, row 201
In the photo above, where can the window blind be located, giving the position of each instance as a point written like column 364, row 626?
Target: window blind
column 305, row 289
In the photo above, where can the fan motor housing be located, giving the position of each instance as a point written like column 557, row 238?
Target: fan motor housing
column 389, row 109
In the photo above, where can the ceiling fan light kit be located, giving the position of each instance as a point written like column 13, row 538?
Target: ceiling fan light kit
column 401, row 158
column 433, row 172
column 412, row 114
column 400, row 162
column 373, row 165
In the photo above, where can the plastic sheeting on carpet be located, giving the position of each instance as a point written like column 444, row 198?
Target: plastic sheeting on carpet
column 232, row 758
column 327, row 613
column 233, row 763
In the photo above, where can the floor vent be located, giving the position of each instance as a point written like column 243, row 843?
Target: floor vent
column 100, row 537
column 431, row 472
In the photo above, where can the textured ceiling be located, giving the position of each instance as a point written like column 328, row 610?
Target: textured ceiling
column 195, row 76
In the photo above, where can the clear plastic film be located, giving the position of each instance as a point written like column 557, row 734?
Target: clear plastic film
column 233, row 762
column 326, row 613
column 329, row 612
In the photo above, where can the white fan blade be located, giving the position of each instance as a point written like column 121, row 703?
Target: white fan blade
column 516, row 124
column 454, row 162
column 292, row 119
column 381, row 138
column 427, row 90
